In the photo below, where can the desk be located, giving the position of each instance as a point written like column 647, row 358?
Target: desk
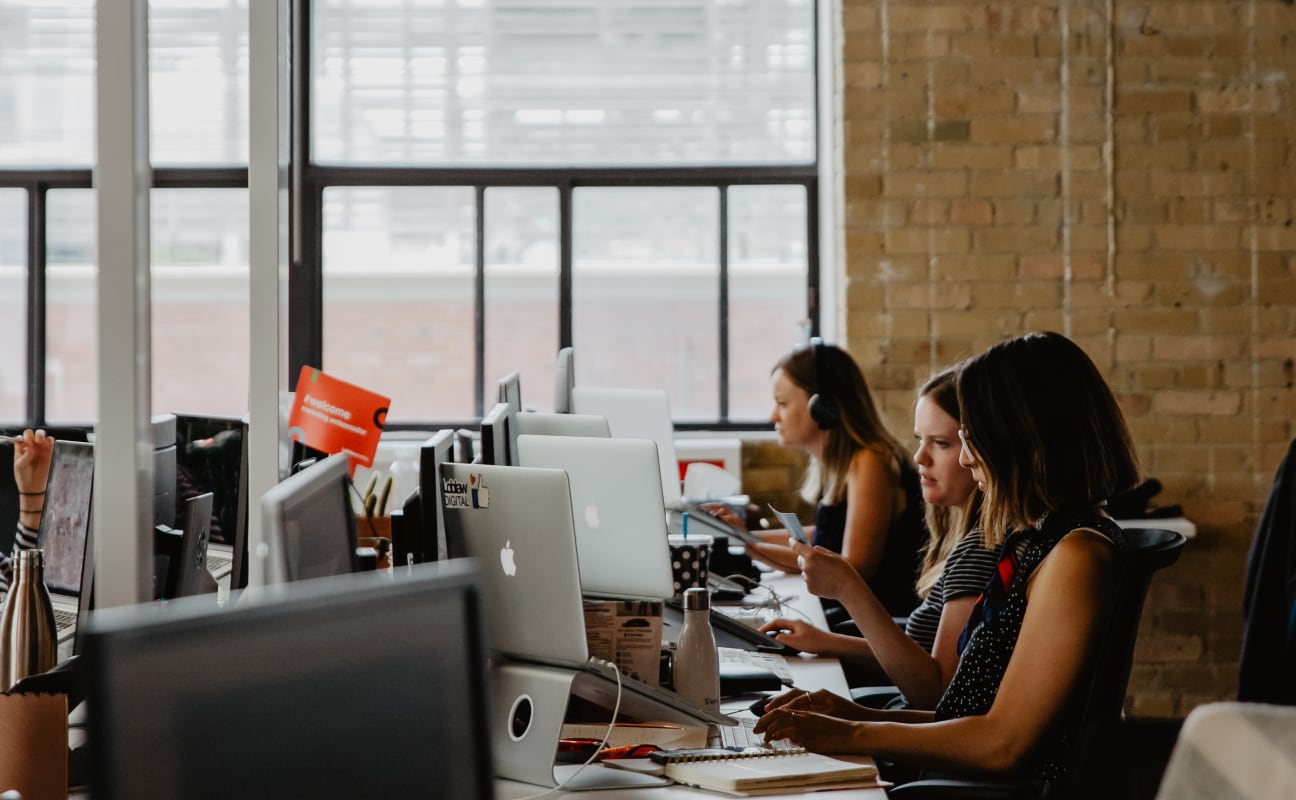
column 1177, row 524
column 808, row 672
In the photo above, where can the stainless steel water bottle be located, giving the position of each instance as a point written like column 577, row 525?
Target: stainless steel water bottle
column 28, row 636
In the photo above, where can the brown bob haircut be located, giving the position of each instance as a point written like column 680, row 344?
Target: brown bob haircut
column 1046, row 428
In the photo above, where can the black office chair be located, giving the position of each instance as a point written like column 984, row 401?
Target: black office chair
column 1098, row 769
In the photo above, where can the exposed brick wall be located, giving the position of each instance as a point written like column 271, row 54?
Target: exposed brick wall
column 997, row 181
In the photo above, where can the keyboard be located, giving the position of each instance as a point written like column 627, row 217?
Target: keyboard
column 742, row 736
column 64, row 619
column 752, row 616
column 773, row 662
column 217, row 562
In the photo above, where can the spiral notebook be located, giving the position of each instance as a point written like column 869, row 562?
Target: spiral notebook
column 767, row 772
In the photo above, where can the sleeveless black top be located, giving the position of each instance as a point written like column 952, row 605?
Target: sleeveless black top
column 901, row 558
column 996, row 622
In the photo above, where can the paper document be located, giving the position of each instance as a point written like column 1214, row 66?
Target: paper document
column 790, row 522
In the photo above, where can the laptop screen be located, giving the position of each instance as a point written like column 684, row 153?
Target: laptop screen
column 65, row 522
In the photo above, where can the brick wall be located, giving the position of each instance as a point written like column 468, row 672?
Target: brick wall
column 1120, row 172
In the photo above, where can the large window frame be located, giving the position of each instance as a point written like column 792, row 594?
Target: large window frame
column 308, row 182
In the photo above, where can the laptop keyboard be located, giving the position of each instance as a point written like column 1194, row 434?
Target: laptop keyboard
column 217, row 562
column 64, row 619
column 771, row 662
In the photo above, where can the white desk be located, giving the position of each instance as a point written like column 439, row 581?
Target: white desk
column 1177, row 524
column 808, row 672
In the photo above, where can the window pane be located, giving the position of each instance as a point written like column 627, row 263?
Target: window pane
column 13, row 304
column 522, row 291
column 582, row 82
column 767, row 290
column 198, row 81
column 398, row 296
column 645, row 293
column 47, row 70
column 200, row 301
column 72, row 359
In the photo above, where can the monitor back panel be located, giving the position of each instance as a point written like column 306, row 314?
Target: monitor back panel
column 517, row 522
column 637, row 414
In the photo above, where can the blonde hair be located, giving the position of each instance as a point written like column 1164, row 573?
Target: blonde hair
column 946, row 525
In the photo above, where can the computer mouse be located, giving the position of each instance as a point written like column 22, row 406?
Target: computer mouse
column 758, row 707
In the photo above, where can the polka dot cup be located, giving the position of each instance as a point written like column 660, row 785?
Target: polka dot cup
column 689, row 557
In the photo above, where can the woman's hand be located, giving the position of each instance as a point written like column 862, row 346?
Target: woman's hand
column 826, row 573
column 821, row 702
column 819, row 733
column 32, row 453
column 801, row 635
column 723, row 512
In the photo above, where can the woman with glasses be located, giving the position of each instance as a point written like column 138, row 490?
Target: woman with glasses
column 1047, row 444
column 920, row 659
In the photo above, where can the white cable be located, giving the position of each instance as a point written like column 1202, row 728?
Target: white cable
column 616, row 709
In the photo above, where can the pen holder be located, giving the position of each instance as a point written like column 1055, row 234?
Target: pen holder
column 375, row 532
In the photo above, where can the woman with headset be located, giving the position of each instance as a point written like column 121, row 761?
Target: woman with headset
column 868, row 501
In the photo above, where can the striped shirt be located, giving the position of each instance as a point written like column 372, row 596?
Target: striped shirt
column 966, row 572
column 25, row 539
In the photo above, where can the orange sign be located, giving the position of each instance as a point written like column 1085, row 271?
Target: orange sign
column 337, row 417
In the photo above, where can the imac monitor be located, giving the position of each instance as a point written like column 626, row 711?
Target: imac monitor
column 309, row 528
column 211, row 456
column 637, row 414
column 363, row 686
column 494, row 436
column 510, row 392
column 564, row 380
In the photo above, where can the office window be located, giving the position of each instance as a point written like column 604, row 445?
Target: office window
column 767, row 289
column 198, row 82
column 614, row 154
column 200, row 300
column 13, row 303
column 398, row 287
column 521, row 291
column 47, row 73
column 645, row 293
column 577, row 82
column 71, row 357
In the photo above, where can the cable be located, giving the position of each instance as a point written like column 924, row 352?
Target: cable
column 616, row 709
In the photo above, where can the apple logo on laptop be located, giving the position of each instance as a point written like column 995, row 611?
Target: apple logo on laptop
column 591, row 516
column 506, row 559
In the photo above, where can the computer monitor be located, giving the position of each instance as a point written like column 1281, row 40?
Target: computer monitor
column 495, row 436
column 534, row 423
column 464, row 446
column 637, row 414
column 212, row 456
column 510, row 392
column 309, row 527
column 436, row 451
column 564, row 381
column 367, row 685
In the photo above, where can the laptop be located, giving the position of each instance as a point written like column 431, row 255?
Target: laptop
column 64, row 534
column 618, row 513
column 517, row 521
column 637, row 414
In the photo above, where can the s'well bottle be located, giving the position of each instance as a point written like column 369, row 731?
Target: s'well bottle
column 697, row 666
column 28, row 637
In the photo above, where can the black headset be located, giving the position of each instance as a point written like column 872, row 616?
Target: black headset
column 823, row 408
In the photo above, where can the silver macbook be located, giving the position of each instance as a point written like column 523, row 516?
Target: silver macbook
column 517, row 521
column 637, row 414
column 64, row 533
column 618, row 513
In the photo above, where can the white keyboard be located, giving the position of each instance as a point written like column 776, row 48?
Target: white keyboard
column 742, row 736
column 773, row 662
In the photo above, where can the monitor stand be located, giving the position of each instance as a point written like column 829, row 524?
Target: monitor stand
column 529, row 704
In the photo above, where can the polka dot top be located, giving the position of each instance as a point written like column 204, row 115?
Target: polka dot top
column 991, row 641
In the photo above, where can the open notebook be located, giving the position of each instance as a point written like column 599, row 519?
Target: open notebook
column 771, row 772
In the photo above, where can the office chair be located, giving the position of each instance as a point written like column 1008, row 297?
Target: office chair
column 1098, row 769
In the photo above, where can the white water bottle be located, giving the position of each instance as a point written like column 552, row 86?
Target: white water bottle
column 697, row 666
